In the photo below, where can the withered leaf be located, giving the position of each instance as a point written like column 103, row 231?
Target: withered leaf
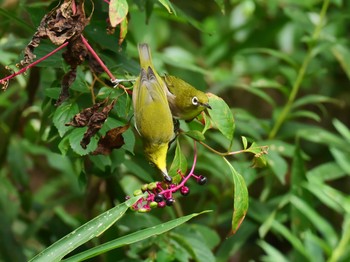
column 66, row 82
column 61, row 24
column 112, row 140
column 95, row 123
column 82, row 119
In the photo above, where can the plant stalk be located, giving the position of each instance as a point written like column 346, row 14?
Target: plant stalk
column 300, row 77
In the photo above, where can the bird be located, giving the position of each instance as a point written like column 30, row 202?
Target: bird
column 185, row 101
column 152, row 114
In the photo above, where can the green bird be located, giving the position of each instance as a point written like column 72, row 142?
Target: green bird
column 185, row 101
column 153, row 119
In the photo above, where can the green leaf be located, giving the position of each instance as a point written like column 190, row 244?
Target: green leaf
column 64, row 114
column 273, row 254
column 118, row 9
column 195, row 134
column 167, row 4
column 195, row 245
column 179, row 162
column 259, row 152
column 244, row 142
column 278, row 165
column 342, row 129
column 52, row 92
column 305, row 114
column 240, row 199
column 221, row 116
column 221, row 5
column 314, row 99
column 288, row 235
column 329, row 196
column 320, row 223
column 181, row 58
column 84, row 233
column 319, row 135
column 280, row 55
column 133, row 237
column 325, row 172
column 342, row 158
column 343, row 245
column 75, row 138
column 342, row 54
column 260, row 93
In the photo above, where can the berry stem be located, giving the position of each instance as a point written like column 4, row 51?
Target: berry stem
column 190, row 174
column 98, row 59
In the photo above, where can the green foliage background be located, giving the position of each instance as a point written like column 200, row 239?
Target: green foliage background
column 283, row 68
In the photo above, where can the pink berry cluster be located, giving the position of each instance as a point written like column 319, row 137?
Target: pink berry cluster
column 160, row 194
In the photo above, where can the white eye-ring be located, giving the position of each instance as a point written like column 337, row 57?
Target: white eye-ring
column 195, row 101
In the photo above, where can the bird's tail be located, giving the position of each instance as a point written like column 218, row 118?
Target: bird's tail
column 145, row 56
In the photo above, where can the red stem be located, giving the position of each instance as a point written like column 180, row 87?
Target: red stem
column 34, row 63
column 92, row 51
column 183, row 182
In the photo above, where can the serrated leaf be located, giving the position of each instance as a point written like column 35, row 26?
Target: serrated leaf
column 76, row 136
column 221, row 116
column 195, row 134
column 240, row 199
column 53, row 92
column 64, row 114
column 118, row 9
column 179, row 162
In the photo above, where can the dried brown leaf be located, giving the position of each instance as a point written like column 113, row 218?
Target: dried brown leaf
column 61, row 24
column 112, row 140
column 96, row 122
column 82, row 119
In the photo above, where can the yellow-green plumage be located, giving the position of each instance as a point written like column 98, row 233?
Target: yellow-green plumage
column 153, row 119
column 185, row 101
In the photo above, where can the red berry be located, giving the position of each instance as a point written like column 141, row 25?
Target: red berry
column 161, row 204
column 184, row 190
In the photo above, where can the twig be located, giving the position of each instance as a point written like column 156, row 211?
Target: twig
column 296, row 86
column 98, row 59
column 33, row 64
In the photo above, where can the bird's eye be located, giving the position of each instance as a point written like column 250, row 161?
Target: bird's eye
column 195, row 101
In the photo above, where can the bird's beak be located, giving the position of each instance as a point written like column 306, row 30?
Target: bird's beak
column 167, row 178
column 206, row 105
